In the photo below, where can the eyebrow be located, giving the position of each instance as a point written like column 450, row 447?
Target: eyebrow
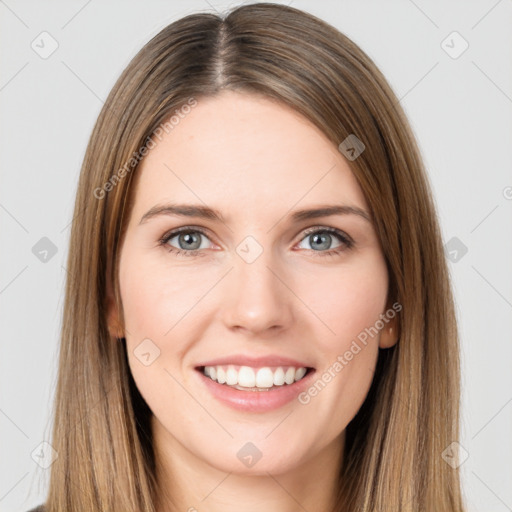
column 205, row 212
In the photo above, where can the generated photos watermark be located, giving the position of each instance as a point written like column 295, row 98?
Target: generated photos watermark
column 137, row 156
column 343, row 359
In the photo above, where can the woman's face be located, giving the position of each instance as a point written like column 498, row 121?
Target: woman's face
column 261, row 290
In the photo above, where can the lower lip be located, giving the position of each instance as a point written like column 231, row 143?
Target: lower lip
column 256, row 401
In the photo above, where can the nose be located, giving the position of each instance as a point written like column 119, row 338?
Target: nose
column 257, row 300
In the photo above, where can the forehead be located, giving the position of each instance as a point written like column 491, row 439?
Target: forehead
column 244, row 153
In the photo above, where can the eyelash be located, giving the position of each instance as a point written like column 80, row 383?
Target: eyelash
column 342, row 237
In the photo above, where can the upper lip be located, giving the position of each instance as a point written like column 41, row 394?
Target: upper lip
column 256, row 362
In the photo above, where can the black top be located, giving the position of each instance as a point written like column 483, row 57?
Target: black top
column 40, row 508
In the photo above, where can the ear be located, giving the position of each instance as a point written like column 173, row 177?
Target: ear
column 114, row 325
column 389, row 334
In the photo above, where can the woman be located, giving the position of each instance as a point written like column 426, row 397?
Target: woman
column 258, row 311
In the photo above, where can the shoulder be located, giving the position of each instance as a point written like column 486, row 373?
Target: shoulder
column 40, row 508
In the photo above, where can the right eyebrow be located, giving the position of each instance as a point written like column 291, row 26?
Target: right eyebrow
column 183, row 210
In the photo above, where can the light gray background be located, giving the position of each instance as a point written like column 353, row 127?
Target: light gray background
column 460, row 110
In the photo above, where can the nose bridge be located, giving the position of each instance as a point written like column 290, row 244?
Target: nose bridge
column 258, row 300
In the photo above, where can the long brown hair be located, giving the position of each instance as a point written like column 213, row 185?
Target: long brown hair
column 393, row 453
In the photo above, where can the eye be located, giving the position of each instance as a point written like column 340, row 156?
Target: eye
column 188, row 240
column 321, row 238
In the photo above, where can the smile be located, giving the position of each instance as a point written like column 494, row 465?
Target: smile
column 246, row 378
column 254, row 389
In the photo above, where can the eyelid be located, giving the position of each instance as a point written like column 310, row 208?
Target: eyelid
column 328, row 229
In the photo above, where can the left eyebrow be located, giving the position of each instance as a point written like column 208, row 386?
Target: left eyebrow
column 328, row 210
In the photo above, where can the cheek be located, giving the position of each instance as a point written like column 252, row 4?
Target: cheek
column 161, row 303
column 155, row 301
column 156, row 297
column 348, row 301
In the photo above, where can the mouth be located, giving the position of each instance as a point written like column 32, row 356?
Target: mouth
column 247, row 378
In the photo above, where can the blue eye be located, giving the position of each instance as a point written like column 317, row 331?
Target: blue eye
column 321, row 238
column 189, row 238
column 189, row 241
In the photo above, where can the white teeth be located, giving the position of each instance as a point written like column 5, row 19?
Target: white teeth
column 300, row 373
column 221, row 375
column 279, row 377
column 289, row 376
column 247, row 377
column 231, row 376
column 264, row 378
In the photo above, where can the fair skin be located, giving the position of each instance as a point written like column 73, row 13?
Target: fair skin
column 257, row 162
